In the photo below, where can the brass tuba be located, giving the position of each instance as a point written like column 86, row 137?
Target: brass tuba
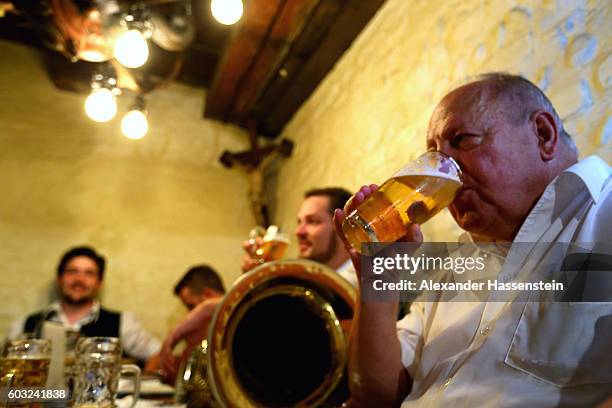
column 279, row 338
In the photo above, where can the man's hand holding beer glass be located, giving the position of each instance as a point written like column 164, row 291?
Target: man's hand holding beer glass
column 389, row 214
column 249, row 259
column 263, row 246
column 377, row 317
column 413, row 234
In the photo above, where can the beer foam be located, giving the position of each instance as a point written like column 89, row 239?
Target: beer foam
column 273, row 233
column 432, row 164
column 451, row 175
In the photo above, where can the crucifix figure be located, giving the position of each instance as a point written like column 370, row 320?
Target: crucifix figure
column 255, row 161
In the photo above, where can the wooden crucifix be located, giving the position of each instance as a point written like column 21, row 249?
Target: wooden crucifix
column 254, row 162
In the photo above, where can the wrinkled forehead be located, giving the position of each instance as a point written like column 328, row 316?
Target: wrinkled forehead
column 464, row 107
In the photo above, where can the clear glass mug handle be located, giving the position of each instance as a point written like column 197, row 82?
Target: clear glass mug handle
column 135, row 371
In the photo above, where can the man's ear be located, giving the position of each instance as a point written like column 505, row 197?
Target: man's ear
column 208, row 292
column 546, row 130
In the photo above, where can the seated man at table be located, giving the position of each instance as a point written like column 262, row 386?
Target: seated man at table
column 200, row 284
column 80, row 275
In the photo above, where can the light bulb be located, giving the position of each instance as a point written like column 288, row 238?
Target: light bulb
column 134, row 124
column 226, row 12
column 100, row 105
column 131, row 49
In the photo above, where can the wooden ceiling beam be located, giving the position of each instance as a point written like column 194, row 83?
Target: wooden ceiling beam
column 242, row 48
column 278, row 109
column 245, row 70
column 301, row 52
column 290, row 21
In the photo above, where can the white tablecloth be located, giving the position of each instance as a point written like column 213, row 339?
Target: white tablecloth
column 147, row 387
column 126, row 402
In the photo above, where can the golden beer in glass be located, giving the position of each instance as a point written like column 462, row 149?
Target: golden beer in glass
column 411, row 196
column 272, row 250
column 25, row 363
column 269, row 245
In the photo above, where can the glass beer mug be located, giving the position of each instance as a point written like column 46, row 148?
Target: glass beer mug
column 192, row 385
column 25, row 363
column 413, row 195
column 267, row 245
column 96, row 373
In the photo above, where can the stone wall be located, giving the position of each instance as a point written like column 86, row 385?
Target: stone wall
column 370, row 114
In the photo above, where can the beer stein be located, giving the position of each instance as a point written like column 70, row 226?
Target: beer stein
column 413, row 195
column 192, row 385
column 25, row 363
column 267, row 245
column 96, row 373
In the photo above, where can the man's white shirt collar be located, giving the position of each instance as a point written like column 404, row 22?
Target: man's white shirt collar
column 592, row 172
column 60, row 316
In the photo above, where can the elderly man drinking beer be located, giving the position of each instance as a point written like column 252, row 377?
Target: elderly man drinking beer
column 522, row 183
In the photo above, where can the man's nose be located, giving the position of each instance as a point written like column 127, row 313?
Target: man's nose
column 80, row 277
column 300, row 230
column 79, row 280
column 443, row 146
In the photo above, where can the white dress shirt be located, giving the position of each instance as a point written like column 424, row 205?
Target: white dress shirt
column 135, row 340
column 521, row 354
column 347, row 271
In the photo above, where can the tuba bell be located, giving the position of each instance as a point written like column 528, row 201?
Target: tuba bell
column 279, row 338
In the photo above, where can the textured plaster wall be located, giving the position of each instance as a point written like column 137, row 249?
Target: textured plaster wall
column 370, row 114
column 153, row 206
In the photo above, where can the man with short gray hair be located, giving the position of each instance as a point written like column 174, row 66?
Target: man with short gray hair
column 522, row 183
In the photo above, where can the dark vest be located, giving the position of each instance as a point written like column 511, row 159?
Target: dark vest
column 106, row 325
